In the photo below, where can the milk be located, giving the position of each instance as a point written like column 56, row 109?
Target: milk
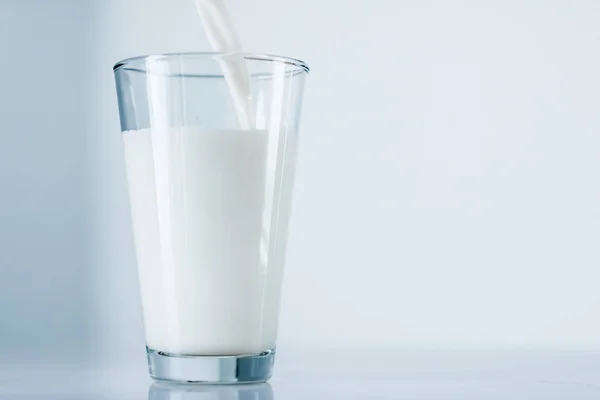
column 210, row 212
column 223, row 39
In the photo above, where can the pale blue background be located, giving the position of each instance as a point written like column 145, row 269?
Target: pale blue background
column 46, row 291
column 447, row 188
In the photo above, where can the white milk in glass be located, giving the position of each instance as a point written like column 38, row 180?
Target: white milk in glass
column 210, row 211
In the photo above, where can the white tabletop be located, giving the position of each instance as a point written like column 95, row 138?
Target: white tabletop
column 317, row 375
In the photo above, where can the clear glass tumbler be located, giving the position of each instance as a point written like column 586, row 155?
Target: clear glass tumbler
column 210, row 149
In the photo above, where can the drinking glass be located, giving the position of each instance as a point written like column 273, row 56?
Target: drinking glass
column 210, row 145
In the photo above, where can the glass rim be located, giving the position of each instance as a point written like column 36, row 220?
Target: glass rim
column 301, row 65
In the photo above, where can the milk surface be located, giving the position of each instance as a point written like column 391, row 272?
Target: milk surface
column 210, row 211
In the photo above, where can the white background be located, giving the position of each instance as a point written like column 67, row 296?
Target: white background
column 448, row 179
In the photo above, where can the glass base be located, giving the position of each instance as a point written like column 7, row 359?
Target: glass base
column 210, row 369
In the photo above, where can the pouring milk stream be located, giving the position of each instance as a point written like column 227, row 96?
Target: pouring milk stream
column 222, row 37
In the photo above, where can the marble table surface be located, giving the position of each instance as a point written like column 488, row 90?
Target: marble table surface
column 329, row 374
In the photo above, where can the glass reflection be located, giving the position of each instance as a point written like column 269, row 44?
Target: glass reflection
column 173, row 391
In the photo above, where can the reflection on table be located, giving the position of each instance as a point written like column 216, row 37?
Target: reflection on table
column 174, row 391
